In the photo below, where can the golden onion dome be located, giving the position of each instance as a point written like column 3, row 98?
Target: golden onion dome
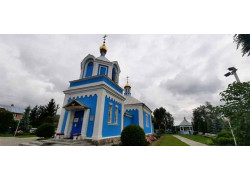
column 103, row 49
column 127, row 86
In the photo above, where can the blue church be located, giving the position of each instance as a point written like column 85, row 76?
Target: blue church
column 95, row 106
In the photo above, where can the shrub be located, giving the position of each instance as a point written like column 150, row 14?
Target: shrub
column 225, row 134
column 6, row 121
column 195, row 133
column 133, row 135
column 223, row 141
column 45, row 130
column 161, row 131
column 224, row 138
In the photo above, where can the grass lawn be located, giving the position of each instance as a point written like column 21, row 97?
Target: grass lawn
column 26, row 136
column 168, row 140
column 20, row 136
column 6, row 135
column 198, row 138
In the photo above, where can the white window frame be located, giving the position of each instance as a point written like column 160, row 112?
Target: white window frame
column 106, row 70
column 116, row 114
column 147, row 123
column 110, row 113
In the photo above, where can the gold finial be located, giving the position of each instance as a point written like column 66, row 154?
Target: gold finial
column 127, row 79
column 103, row 48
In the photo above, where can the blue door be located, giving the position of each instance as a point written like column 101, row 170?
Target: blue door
column 77, row 123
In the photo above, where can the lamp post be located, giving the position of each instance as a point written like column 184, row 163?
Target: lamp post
column 17, row 127
column 233, row 72
column 227, row 119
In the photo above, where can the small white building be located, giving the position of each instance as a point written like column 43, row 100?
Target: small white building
column 185, row 127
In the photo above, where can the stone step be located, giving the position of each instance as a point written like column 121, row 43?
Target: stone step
column 37, row 143
column 26, row 144
column 65, row 143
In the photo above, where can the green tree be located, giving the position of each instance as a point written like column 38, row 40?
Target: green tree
column 44, row 114
column 24, row 122
column 163, row 119
column 243, row 40
column 168, row 121
column 206, row 119
column 159, row 114
column 7, row 121
column 34, row 116
column 51, row 108
column 236, row 107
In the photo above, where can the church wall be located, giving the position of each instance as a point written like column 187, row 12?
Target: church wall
column 148, row 128
column 135, row 113
column 128, row 121
column 89, row 101
column 109, row 130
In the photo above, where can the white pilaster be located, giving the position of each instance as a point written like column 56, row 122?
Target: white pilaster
column 141, row 117
column 95, row 69
column 97, row 134
column 122, row 118
column 151, row 123
column 110, row 72
column 85, row 123
column 59, row 127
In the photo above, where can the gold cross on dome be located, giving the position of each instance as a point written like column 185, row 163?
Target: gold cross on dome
column 104, row 38
column 127, row 79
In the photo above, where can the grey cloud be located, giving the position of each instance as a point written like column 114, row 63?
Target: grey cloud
column 187, row 83
column 178, row 72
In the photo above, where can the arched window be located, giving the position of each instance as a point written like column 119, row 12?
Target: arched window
column 114, row 74
column 89, row 69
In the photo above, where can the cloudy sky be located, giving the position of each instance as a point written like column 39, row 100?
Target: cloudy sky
column 178, row 72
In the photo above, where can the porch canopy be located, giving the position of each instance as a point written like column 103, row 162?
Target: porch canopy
column 75, row 105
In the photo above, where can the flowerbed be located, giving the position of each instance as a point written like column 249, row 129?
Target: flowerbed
column 150, row 138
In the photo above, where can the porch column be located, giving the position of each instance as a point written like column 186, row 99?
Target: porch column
column 68, row 124
column 85, row 123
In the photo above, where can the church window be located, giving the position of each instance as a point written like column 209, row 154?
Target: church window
column 114, row 75
column 89, row 69
column 110, row 113
column 116, row 115
column 103, row 70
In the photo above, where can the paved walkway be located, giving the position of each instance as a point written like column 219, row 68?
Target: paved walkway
column 12, row 141
column 189, row 141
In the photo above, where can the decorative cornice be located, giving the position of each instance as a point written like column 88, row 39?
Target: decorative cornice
column 93, row 77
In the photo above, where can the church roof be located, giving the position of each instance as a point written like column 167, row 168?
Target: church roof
column 103, row 58
column 131, row 100
column 12, row 109
column 185, row 123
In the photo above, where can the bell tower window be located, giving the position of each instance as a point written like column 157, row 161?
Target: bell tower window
column 115, row 74
column 89, row 69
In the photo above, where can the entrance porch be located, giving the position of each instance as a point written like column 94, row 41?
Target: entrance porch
column 77, row 120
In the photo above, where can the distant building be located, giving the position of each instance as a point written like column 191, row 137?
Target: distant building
column 16, row 111
column 185, row 127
